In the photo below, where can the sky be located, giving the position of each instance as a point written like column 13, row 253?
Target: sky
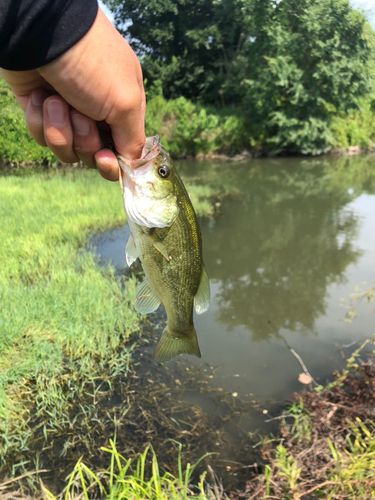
column 368, row 5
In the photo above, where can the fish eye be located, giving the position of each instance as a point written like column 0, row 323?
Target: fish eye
column 163, row 172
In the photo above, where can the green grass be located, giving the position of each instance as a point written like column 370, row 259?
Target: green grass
column 64, row 319
column 124, row 481
column 354, row 468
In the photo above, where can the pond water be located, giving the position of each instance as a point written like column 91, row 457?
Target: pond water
column 290, row 240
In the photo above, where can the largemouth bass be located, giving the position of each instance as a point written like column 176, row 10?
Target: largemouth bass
column 166, row 238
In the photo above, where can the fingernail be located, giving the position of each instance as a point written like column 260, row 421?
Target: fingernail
column 37, row 97
column 80, row 124
column 56, row 113
column 104, row 168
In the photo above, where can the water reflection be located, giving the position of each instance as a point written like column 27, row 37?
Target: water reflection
column 278, row 245
column 356, row 173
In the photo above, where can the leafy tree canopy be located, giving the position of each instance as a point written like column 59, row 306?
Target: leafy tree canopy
column 310, row 59
column 287, row 66
column 186, row 46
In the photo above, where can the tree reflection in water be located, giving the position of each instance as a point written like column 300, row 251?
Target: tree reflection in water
column 282, row 239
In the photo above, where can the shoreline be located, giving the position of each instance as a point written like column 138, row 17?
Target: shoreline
column 308, row 455
column 326, row 441
column 244, row 155
column 256, row 153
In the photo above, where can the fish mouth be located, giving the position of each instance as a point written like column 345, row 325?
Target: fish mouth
column 135, row 168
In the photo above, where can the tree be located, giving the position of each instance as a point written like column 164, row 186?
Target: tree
column 186, row 46
column 310, row 59
column 286, row 66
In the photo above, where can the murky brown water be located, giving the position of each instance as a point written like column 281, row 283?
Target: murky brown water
column 284, row 253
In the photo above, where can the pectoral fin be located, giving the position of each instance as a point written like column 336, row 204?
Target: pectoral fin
column 203, row 295
column 145, row 301
column 159, row 245
column 131, row 253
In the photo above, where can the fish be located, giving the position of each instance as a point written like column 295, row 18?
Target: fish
column 165, row 236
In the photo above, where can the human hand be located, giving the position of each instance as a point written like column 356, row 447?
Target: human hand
column 95, row 85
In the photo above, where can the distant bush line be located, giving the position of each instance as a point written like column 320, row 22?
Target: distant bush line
column 189, row 129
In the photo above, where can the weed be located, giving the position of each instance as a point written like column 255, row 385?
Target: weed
column 301, row 427
column 337, row 460
column 123, row 481
column 353, row 474
column 288, row 467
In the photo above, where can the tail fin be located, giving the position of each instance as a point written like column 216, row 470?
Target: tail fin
column 170, row 346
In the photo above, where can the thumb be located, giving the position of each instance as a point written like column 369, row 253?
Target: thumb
column 128, row 133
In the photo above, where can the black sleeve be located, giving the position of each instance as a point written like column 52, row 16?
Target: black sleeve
column 34, row 32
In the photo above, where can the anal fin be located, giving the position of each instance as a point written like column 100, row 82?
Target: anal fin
column 145, row 301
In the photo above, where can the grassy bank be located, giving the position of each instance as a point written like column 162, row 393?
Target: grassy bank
column 66, row 323
column 63, row 318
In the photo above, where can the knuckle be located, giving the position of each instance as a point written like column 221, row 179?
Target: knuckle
column 133, row 101
column 81, row 149
column 130, row 102
column 140, row 140
column 37, row 135
column 57, row 138
column 58, row 143
column 86, row 159
column 62, row 149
